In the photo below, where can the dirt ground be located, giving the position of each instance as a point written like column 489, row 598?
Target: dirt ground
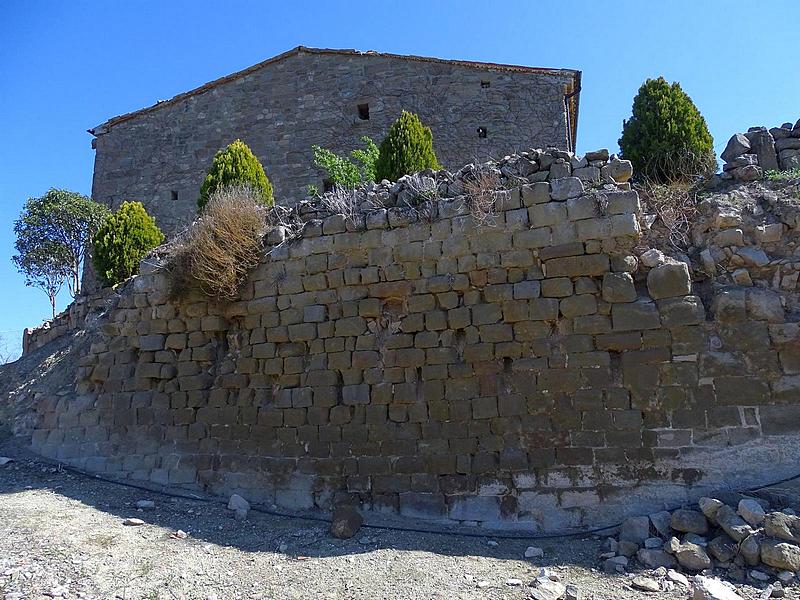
column 62, row 535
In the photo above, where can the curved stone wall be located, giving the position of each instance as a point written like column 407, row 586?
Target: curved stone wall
column 540, row 369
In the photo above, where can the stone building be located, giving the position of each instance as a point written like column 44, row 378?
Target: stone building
column 282, row 106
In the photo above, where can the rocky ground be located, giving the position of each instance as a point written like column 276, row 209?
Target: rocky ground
column 63, row 535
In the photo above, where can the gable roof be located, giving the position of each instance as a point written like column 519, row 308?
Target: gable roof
column 571, row 98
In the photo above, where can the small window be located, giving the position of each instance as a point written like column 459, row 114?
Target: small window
column 363, row 112
column 482, row 132
column 174, row 195
column 486, row 84
column 327, row 185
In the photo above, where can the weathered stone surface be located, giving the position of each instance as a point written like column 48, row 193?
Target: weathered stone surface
column 736, row 146
column 708, row 588
column 723, row 548
column 751, row 511
column 692, row 556
column 781, row 555
column 690, row 521
column 635, row 529
column 566, row 187
column 618, row 287
column 669, row 280
column 655, row 558
column 732, row 523
column 782, row 526
column 709, row 507
column 346, row 521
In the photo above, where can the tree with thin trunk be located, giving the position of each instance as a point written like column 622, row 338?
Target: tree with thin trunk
column 52, row 237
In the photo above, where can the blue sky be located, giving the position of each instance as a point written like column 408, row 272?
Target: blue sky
column 67, row 66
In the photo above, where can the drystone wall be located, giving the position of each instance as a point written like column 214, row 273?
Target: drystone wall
column 749, row 155
column 535, row 365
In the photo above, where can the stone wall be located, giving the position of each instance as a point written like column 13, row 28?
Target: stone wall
column 72, row 319
column 538, row 367
column 160, row 156
column 749, row 155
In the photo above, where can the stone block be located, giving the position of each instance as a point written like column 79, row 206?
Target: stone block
column 687, row 310
column 618, row 287
column 536, row 193
column 581, row 304
column 556, row 287
column 565, row 187
column 576, row 266
column 668, row 280
column 542, row 215
column 635, row 315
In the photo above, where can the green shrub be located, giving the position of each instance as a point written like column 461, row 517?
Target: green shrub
column 666, row 137
column 347, row 172
column 236, row 165
column 407, row 148
column 123, row 241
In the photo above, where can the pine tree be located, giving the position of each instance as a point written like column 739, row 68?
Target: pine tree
column 407, row 148
column 235, row 165
column 666, row 137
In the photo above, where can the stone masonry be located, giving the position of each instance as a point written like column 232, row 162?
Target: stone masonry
column 749, row 155
column 540, row 369
column 283, row 106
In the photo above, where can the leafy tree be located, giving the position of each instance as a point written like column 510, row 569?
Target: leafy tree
column 666, row 137
column 407, row 148
column 348, row 172
column 123, row 241
column 52, row 234
column 235, row 165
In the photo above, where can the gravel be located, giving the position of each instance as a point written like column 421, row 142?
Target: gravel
column 62, row 536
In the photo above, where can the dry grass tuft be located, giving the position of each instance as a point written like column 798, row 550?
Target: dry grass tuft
column 675, row 205
column 217, row 252
column 481, row 197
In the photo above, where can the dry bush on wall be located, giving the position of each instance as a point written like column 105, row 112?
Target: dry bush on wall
column 480, row 192
column 215, row 255
column 675, row 206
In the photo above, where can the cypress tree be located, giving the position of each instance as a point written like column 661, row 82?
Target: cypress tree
column 407, row 148
column 236, row 165
column 666, row 137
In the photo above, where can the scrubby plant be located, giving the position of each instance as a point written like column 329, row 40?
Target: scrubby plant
column 215, row 255
column 52, row 234
column 666, row 137
column 347, row 172
column 407, row 148
column 236, row 165
column 788, row 175
column 123, row 241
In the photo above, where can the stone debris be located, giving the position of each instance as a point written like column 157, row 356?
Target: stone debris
column 646, row 584
column 545, row 589
column 714, row 539
column 4, row 460
column 133, row 522
column 708, row 588
column 239, row 506
column 145, row 505
column 534, row 552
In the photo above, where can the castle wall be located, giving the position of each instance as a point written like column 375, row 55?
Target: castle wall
column 540, row 369
column 309, row 98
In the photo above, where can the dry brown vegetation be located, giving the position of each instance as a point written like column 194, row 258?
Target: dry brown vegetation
column 481, row 197
column 215, row 255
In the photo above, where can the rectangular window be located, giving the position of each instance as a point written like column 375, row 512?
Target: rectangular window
column 482, row 132
column 486, row 84
column 363, row 112
column 174, row 195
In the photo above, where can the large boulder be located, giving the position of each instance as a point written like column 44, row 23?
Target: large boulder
column 763, row 144
column 708, row 588
column 346, row 521
column 693, row 557
column 709, row 507
column 732, row 524
column 723, row 548
column 635, row 529
column 689, row 521
column 781, row 555
column 782, row 526
column 749, row 508
column 737, row 145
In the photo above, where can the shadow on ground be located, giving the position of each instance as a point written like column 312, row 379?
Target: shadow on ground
column 303, row 535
